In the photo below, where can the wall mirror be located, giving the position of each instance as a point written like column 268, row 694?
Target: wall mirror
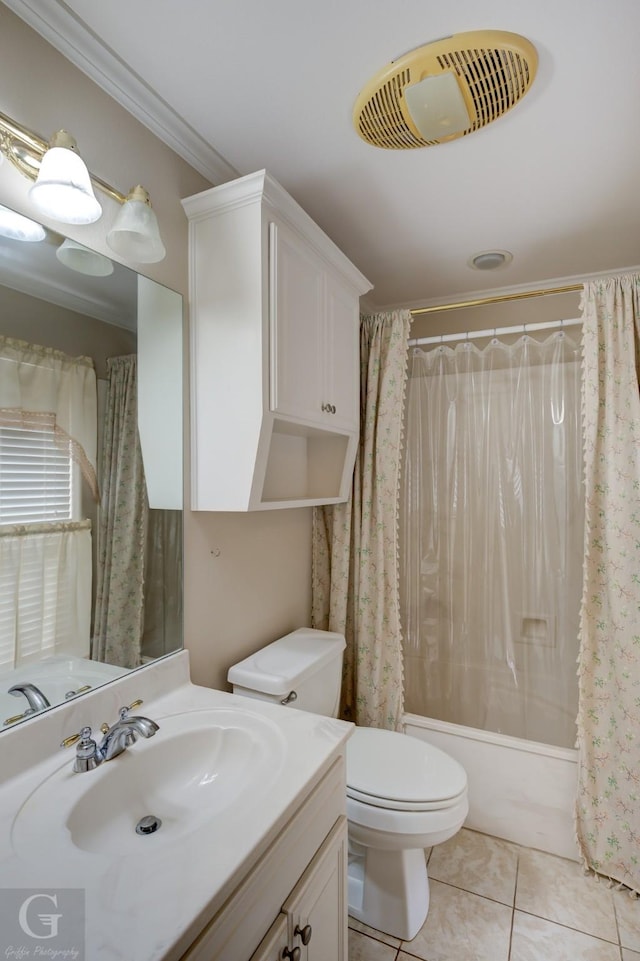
column 91, row 405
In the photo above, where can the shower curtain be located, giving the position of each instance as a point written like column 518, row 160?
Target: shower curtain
column 122, row 534
column 355, row 545
column 607, row 809
column 492, row 533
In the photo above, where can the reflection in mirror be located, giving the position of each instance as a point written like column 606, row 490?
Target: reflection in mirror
column 90, row 471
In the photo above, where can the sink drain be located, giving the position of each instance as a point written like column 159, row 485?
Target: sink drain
column 148, row 825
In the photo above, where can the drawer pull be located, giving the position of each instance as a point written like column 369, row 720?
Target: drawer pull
column 293, row 955
column 305, row 933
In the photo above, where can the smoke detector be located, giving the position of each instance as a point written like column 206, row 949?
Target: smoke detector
column 490, row 259
column 445, row 89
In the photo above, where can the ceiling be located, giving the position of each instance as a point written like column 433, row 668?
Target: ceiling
column 238, row 85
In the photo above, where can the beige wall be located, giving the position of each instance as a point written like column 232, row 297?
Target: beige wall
column 247, row 577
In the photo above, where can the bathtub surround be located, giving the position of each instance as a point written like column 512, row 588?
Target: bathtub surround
column 355, row 545
column 607, row 812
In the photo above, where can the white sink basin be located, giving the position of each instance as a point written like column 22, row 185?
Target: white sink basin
column 198, row 765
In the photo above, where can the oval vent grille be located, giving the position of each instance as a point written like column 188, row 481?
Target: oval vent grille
column 493, row 69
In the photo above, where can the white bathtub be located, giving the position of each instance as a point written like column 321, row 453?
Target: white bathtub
column 58, row 677
column 519, row 790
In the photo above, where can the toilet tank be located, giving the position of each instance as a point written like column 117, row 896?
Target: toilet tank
column 303, row 669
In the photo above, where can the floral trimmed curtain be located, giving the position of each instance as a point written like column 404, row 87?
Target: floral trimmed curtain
column 608, row 803
column 122, row 528
column 355, row 545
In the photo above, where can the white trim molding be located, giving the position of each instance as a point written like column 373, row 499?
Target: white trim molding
column 61, row 27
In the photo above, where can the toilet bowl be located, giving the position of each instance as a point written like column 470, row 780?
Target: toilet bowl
column 403, row 795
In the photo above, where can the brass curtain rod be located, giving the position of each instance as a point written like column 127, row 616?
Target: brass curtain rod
column 497, row 299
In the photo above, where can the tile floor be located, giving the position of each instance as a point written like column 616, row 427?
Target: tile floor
column 496, row 901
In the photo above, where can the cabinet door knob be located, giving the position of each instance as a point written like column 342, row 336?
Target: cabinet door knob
column 305, row 933
column 293, row 955
column 333, row 408
column 325, row 408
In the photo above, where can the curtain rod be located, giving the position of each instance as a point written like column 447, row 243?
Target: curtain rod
column 497, row 299
column 493, row 331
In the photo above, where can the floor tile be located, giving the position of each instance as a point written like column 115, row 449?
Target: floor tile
column 535, row 939
column 628, row 955
column 379, row 935
column 461, row 925
column 363, row 948
column 477, row 863
column 558, row 890
column 628, row 916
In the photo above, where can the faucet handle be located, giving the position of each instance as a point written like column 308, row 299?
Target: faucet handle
column 85, row 732
column 86, row 752
column 130, row 707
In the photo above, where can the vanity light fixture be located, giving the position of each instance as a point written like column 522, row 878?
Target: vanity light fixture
column 16, row 227
column 135, row 234
column 83, row 259
column 63, row 190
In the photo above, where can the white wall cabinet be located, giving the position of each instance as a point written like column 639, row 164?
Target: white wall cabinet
column 275, row 352
column 296, row 893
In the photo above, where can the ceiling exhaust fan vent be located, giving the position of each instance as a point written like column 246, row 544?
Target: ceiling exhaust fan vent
column 446, row 89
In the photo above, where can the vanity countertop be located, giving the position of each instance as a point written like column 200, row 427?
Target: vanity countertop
column 149, row 903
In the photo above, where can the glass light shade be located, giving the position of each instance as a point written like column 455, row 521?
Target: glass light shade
column 135, row 234
column 83, row 260
column 63, row 189
column 16, row 227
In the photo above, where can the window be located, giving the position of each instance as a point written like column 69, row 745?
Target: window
column 36, row 477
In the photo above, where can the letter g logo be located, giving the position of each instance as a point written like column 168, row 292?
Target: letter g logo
column 48, row 921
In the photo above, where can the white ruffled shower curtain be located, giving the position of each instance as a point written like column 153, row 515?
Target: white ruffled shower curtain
column 492, row 532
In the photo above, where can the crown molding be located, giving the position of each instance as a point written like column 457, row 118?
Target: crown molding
column 61, row 27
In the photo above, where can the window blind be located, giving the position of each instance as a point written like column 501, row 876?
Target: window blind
column 36, row 476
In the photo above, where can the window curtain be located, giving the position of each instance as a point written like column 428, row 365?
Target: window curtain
column 355, row 545
column 45, row 568
column 608, row 809
column 122, row 524
column 45, row 387
column 45, row 591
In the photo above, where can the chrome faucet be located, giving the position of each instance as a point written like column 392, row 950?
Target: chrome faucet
column 124, row 732
column 35, row 698
column 116, row 739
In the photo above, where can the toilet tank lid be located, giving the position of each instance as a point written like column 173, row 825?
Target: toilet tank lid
column 282, row 665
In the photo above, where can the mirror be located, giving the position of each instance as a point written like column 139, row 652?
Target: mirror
column 91, row 404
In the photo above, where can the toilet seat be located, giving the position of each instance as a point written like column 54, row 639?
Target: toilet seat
column 398, row 772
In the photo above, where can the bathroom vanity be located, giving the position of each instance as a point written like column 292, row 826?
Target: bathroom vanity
column 250, row 861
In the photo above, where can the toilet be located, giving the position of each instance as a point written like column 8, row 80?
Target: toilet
column 403, row 795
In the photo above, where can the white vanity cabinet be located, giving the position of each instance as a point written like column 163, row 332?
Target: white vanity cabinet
column 295, row 893
column 312, row 925
column 275, row 347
